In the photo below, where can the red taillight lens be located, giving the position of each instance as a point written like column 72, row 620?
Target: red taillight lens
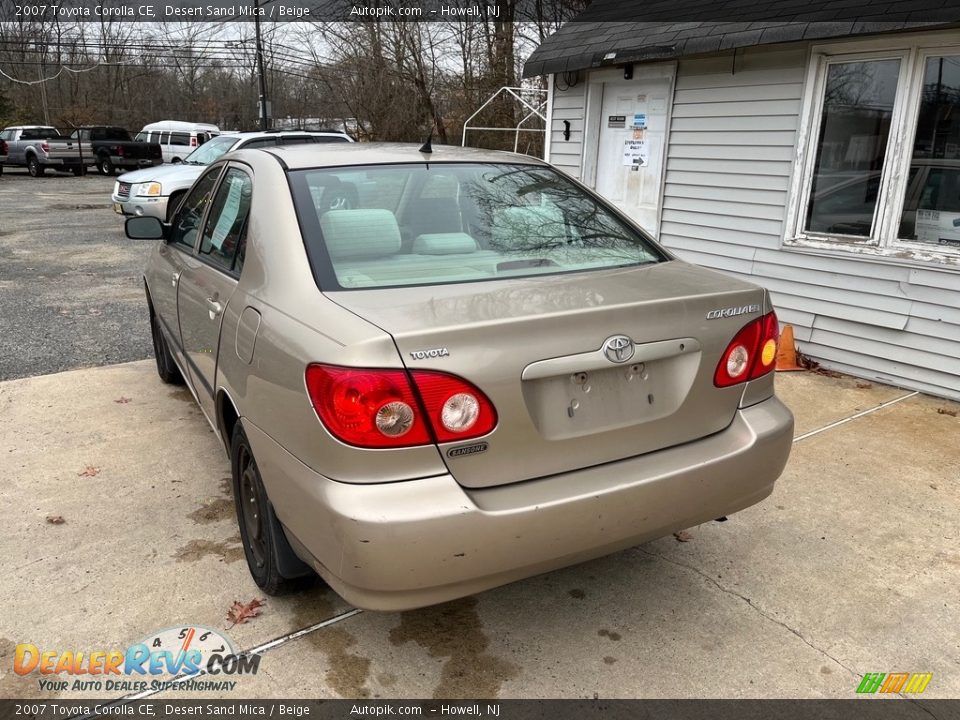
column 367, row 408
column 120, row 150
column 45, row 146
column 751, row 354
column 193, row 141
column 381, row 409
column 457, row 410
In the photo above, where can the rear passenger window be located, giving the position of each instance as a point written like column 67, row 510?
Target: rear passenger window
column 329, row 139
column 179, row 138
column 227, row 223
column 164, row 138
column 297, row 139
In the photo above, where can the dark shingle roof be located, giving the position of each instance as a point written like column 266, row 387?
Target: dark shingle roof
column 638, row 31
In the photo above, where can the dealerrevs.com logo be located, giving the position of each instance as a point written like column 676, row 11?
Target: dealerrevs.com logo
column 160, row 660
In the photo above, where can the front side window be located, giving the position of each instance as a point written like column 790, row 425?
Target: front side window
column 186, row 224
column 388, row 226
column 857, row 189
column 227, row 223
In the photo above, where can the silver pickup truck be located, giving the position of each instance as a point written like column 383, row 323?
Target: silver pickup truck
column 41, row 147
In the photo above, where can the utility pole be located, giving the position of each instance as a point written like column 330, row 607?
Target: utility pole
column 263, row 79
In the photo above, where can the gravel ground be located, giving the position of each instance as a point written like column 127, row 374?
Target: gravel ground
column 71, row 288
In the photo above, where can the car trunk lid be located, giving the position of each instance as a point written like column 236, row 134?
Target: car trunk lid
column 536, row 348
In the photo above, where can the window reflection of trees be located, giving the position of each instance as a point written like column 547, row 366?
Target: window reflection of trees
column 552, row 213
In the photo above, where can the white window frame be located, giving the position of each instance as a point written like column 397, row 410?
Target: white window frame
column 883, row 243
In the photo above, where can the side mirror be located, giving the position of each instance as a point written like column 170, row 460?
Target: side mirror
column 144, row 228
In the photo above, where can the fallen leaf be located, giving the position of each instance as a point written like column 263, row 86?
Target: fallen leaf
column 864, row 386
column 122, row 400
column 55, row 519
column 945, row 411
column 683, row 536
column 89, row 471
column 240, row 612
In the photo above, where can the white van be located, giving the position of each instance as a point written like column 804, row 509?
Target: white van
column 177, row 139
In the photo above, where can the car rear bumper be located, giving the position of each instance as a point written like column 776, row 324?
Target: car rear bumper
column 400, row 545
column 140, row 206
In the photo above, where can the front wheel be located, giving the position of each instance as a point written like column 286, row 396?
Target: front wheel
column 274, row 567
column 166, row 366
column 34, row 167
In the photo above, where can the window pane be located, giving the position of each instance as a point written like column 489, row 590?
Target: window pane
column 227, row 222
column 188, row 218
column 456, row 222
column 857, row 105
column 931, row 207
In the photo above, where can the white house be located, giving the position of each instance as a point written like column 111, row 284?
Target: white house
column 819, row 159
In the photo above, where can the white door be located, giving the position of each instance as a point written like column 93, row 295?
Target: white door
column 632, row 143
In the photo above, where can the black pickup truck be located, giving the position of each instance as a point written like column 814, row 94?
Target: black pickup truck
column 110, row 147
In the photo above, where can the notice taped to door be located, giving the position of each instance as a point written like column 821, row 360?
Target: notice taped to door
column 635, row 153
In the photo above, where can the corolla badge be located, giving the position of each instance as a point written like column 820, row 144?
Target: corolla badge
column 618, row 348
column 732, row 311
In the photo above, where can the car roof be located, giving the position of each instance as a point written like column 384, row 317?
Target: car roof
column 275, row 133
column 297, row 157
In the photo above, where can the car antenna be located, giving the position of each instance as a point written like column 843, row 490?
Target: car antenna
column 427, row 147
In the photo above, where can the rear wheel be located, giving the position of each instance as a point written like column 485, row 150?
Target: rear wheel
column 104, row 165
column 166, row 367
column 34, row 167
column 274, row 567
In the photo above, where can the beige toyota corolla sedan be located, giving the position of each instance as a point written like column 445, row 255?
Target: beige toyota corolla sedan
column 435, row 373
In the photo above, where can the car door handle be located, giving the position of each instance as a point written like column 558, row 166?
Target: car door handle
column 214, row 308
column 174, row 278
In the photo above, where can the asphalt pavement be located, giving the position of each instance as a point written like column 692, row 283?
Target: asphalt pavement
column 71, row 288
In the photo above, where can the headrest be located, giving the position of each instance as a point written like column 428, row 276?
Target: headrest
column 360, row 233
column 444, row 244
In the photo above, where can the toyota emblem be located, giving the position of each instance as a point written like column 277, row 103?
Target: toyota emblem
column 618, row 348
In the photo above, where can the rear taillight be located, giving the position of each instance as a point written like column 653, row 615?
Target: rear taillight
column 120, row 150
column 193, row 141
column 383, row 409
column 45, row 146
column 456, row 409
column 751, row 354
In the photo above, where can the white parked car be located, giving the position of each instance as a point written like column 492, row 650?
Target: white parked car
column 176, row 138
column 157, row 191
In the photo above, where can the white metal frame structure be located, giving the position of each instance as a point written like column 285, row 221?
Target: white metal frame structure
column 538, row 109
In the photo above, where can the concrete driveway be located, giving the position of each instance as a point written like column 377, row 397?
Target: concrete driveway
column 851, row 566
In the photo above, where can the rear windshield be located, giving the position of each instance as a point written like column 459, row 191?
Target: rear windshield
column 395, row 225
column 211, row 150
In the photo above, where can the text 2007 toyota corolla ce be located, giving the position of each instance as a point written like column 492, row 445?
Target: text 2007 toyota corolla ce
column 438, row 373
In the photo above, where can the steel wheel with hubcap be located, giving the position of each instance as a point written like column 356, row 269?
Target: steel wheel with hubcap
column 34, row 167
column 105, row 165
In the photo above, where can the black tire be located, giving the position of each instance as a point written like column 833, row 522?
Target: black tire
column 172, row 204
column 34, row 167
column 78, row 171
column 272, row 564
column 105, row 165
column 166, row 367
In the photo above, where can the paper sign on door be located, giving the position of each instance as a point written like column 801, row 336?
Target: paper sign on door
column 635, row 153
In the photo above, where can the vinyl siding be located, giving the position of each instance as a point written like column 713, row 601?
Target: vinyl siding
column 568, row 104
column 729, row 165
